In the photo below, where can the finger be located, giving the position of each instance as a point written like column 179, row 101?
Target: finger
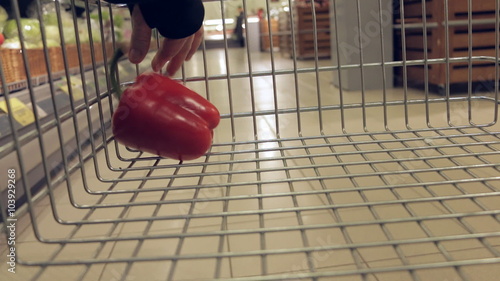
column 175, row 64
column 140, row 38
column 198, row 38
column 168, row 49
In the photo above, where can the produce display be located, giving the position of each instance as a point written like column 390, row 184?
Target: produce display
column 308, row 3
column 32, row 35
column 3, row 18
column 85, row 39
column 156, row 114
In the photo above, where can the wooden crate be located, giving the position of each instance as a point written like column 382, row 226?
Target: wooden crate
column 305, row 36
column 305, row 33
column 12, row 62
column 480, row 41
column 265, row 37
column 284, row 25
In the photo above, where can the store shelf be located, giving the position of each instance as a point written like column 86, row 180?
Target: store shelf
column 312, row 32
column 470, row 50
column 75, row 115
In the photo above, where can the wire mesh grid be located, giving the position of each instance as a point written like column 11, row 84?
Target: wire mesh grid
column 305, row 180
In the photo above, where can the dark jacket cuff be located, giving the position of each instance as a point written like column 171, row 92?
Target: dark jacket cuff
column 174, row 19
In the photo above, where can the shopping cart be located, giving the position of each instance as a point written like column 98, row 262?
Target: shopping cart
column 360, row 143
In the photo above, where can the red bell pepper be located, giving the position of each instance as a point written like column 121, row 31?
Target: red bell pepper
column 161, row 116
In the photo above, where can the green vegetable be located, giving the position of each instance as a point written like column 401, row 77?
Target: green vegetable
column 52, row 33
column 69, row 34
column 104, row 14
column 11, row 43
column 15, row 43
column 52, row 43
column 3, row 17
column 96, row 30
column 50, row 18
column 29, row 27
column 119, row 35
column 3, row 14
column 118, row 20
column 83, row 30
column 51, row 22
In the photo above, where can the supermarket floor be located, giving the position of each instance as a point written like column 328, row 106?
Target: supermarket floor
column 365, row 191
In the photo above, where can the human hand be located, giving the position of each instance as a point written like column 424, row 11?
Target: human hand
column 171, row 51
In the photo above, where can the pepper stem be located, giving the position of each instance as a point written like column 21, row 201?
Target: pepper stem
column 114, row 72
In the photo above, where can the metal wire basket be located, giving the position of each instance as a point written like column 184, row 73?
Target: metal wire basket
column 376, row 161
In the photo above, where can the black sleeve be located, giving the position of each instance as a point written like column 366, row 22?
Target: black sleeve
column 174, row 19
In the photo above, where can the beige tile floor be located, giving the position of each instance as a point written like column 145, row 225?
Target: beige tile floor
column 350, row 194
